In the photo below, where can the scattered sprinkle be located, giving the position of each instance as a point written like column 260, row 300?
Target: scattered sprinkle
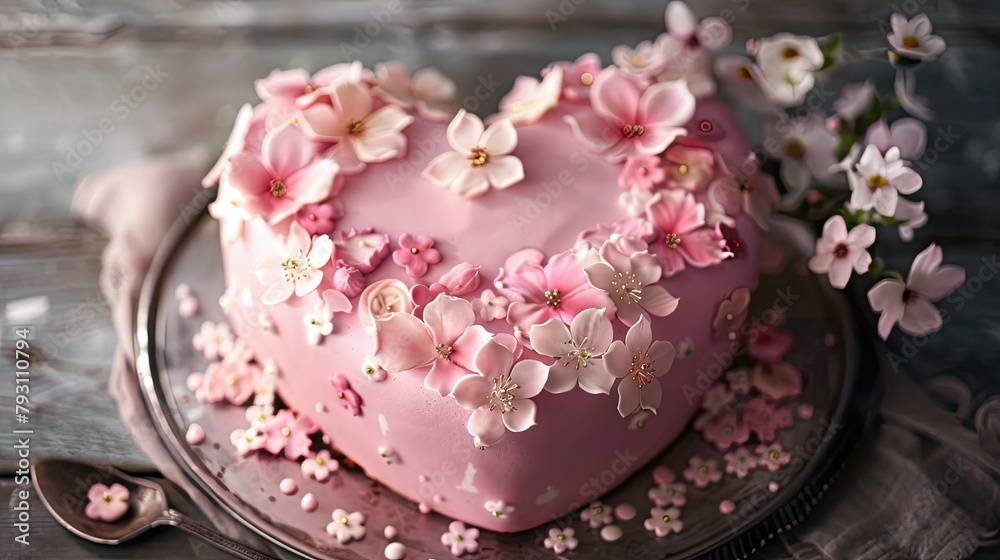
column 309, row 502
column 182, row 291
column 395, row 551
column 288, row 487
column 390, row 532
column 611, row 533
column 772, row 486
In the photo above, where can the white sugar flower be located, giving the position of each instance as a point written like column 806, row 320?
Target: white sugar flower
column 481, row 158
column 577, row 350
column 838, row 251
column 498, row 508
column 319, row 323
column 346, row 526
column 878, row 181
column 297, row 268
column 913, row 39
column 805, row 147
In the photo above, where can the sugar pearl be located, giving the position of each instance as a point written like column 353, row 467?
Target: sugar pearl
column 395, row 551
column 182, row 291
column 726, row 507
column 611, row 533
column 424, row 508
column 624, row 512
column 195, row 434
column 390, row 532
column 830, row 339
column 772, row 486
column 805, row 411
column 438, row 498
column 320, row 407
column 288, row 487
column 309, row 502
column 188, row 307
column 194, row 381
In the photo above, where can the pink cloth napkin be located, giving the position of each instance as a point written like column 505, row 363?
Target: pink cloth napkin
column 920, row 488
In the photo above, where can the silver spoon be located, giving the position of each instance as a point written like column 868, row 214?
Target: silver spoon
column 63, row 485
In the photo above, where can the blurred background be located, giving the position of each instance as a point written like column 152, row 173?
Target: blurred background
column 88, row 85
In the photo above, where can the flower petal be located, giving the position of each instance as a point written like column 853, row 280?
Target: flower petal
column 530, row 377
column 595, row 379
column 286, row 149
column 448, row 317
column 615, row 97
column 443, row 376
column 666, row 105
column 522, row 417
column 445, row 168
column 402, row 342
column 658, row 301
column 504, row 171
column 471, row 182
column 920, row 317
column 639, row 336
column 464, row 131
column 493, row 360
column 628, row 397
column 617, row 359
column 550, row 338
column 486, row 425
column 472, row 391
column 593, row 325
column 500, row 138
column 563, row 376
column 651, row 395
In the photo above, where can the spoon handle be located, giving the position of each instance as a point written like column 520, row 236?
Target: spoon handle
column 211, row 536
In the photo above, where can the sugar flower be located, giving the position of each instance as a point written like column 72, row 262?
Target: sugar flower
column 559, row 290
column 740, row 462
column 499, row 508
column 461, row 539
column 731, row 314
column 530, row 100
column 229, row 207
column 838, row 252
column 247, row 440
column 597, row 515
column 346, row 526
column 689, row 167
column 772, row 456
column 380, row 300
column 638, row 362
column 785, row 66
column 910, row 303
column 481, row 158
column 909, row 216
column 631, row 281
column 107, row 503
column 490, row 306
column 768, row 344
column 430, row 91
column 634, row 201
column 561, row 540
column 362, row 134
column 416, row 254
column 879, row 180
column 320, row 466
column 298, row 87
column 642, row 173
column 363, row 249
column 372, row 370
column 578, row 76
column 702, row 472
column 347, row 396
column 447, row 340
column 716, row 398
column 319, row 323
column 777, row 380
column 500, row 395
column 854, row 100
column 805, row 148
column 712, row 33
column 745, row 187
column 629, row 121
column 648, row 58
column 764, row 419
column 214, row 340
column 913, row 39
column 725, row 430
column 684, row 239
column 669, row 494
column 296, row 269
column 283, row 178
column 907, row 134
column 578, row 351
column 319, row 219
column 285, row 431
column 664, row 521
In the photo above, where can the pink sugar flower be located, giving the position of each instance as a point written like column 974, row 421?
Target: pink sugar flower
column 416, row 254
column 777, row 380
column 500, row 394
column 428, row 90
column 642, row 173
column 214, row 340
column 561, row 540
column 490, row 306
column 597, row 515
column 631, row 282
column 909, row 303
column 745, row 187
column 320, row 466
column 578, row 76
column 669, row 494
column 684, row 239
column 297, row 269
column 346, row 526
column 107, row 503
column 638, row 362
column 578, row 350
column 689, row 167
column 284, row 177
column 740, row 462
column 284, row 431
column 363, row 249
column 231, row 380
column 297, row 86
column 839, row 251
column 350, row 400
column 559, row 290
column 763, row 419
column 726, row 430
column 319, row 219
column 481, row 157
column 772, row 456
column 530, row 99
column 716, row 398
column 247, row 440
column 460, row 539
column 702, row 472
column 664, row 521
column 629, row 121
column 711, row 33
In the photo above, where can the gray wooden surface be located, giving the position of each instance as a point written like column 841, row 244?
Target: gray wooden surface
column 55, row 89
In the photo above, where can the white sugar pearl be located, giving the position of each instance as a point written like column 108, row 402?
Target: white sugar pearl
column 390, row 532
column 611, row 533
column 395, row 551
column 309, row 502
column 195, row 434
column 188, row 307
column 288, row 487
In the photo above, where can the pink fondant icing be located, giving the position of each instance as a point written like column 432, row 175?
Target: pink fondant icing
column 581, row 447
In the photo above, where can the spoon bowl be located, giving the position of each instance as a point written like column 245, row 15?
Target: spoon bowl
column 63, row 485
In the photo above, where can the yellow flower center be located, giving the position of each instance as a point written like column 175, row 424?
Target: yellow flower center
column 479, row 157
column 911, row 42
column 672, row 240
column 444, row 351
column 633, row 130
column 355, row 127
column 795, row 149
column 553, row 298
column 642, row 368
column 278, row 188
column 286, row 431
column 502, row 395
column 586, row 78
column 626, row 287
column 877, row 181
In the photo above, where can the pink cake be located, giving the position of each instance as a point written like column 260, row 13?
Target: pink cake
column 501, row 321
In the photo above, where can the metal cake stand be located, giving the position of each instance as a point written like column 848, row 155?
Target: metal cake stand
column 839, row 380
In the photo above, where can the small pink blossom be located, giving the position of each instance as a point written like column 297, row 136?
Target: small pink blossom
column 428, row 90
column 463, row 279
column 559, row 290
column 804, row 146
column 349, row 281
column 363, row 249
column 231, row 380
column 772, row 456
column 745, row 187
column 283, row 178
column 726, row 430
column 415, row 254
column 578, row 76
column 648, row 59
column 298, row 87
column 740, row 462
column 642, row 173
column 763, row 419
column 739, row 381
column 319, row 219
column 689, row 167
column 498, row 508
column 684, row 239
column 638, row 362
column 909, row 303
column 631, row 282
column 490, row 306
column 711, row 33
column 629, row 120
column 214, row 340
column 348, row 398
column 597, row 515
column 372, row 370
column 481, row 158
column 731, row 314
column 461, row 539
column 561, row 540
column 296, row 269
column 245, row 441
column 447, row 340
column 361, row 133
column 913, row 39
column 530, row 99
column 578, row 351
column 320, row 466
column 702, row 472
column 285, row 431
column 346, row 527
column 907, row 134
column 627, row 236
column 669, row 494
column 838, row 252
column 716, row 398
column 107, row 503
column 664, row 521
column 777, row 380
column 768, row 344
column 500, row 393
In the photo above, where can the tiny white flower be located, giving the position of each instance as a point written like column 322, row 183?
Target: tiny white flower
column 319, row 323
column 297, row 268
column 498, row 508
column 346, row 526
column 913, row 39
column 481, row 158
column 878, row 181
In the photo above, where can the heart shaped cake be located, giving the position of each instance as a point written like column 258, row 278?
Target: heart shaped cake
column 500, row 320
